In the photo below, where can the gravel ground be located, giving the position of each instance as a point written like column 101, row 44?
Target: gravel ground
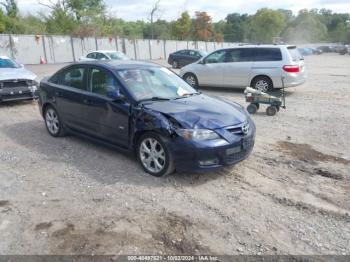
column 71, row 196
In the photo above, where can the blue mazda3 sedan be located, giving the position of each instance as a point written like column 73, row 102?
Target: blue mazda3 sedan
column 145, row 108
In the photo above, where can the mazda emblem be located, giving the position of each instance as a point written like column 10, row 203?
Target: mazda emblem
column 245, row 128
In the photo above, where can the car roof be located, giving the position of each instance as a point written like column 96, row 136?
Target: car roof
column 119, row 64
column 257, row 46
column 4, row 57
column 105, row 51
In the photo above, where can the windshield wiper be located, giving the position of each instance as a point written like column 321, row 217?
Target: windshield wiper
column 188, row 95
column 154, row 98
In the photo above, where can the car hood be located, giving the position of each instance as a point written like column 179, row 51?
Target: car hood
column 200, row 111
column 16, row 73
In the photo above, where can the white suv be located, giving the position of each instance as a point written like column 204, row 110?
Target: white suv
column 260, row 66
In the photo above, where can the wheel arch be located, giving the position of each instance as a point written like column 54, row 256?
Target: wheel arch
column 45, row 106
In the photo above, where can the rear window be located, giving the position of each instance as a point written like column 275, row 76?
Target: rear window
column 294, row 53
column 268, row 54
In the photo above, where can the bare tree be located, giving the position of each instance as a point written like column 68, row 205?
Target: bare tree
column 54, row 5
column 152, row 14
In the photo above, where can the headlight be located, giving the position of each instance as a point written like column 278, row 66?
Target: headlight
column 197, row 134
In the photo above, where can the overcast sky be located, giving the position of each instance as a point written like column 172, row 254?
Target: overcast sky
column 170, row 9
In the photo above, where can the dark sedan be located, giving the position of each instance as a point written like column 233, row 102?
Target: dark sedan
column 147, row 109
column 184, row 57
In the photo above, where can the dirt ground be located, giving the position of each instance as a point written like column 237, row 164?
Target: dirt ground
column 70, row 196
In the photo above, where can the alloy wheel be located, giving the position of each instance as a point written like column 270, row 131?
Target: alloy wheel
column 152, row 155
column 262, row 85
column 52, row 121
column 191, row 80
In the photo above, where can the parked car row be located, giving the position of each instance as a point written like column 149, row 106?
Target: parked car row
column 341, row 49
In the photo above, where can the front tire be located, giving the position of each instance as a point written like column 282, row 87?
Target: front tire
column 154, row 156
column 53, row 122
column 191, row 79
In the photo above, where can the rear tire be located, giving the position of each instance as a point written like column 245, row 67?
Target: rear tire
column 53, row 122
column 154, row 156
column 262, row 83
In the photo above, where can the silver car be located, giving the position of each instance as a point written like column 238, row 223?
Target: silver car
column 104, row 55
column 16, row 82
column 259, row 66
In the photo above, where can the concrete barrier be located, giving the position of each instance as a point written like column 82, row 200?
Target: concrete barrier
column 30, row 49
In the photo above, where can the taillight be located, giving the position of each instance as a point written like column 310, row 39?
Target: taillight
column 291, row 68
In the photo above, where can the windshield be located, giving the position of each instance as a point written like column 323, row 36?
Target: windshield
column 117, row 56
column 8, row 63
column 155, row 83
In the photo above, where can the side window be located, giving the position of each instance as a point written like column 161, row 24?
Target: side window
column 102, row 82
column 182, row 52
column 193, row 53
column 91, row 55
column 216, row 57
column 100, row 56
column 197, row 54
column 268, row 54
column 74, row 77
column 239, row 55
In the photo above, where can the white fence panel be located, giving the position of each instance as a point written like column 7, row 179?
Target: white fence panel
column 129, row 48
column 157, row 49
column 27, row 49
column 201, row 46
column 181, row 45
column 106, row 44
column 142, row 49
column 170, row 46
column 5, row 47
column 83, row 46
column 58, row 49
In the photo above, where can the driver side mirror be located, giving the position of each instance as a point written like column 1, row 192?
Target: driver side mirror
column 115, row 95
column 202, row 62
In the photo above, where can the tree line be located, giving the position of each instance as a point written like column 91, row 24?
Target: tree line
column 82, row 18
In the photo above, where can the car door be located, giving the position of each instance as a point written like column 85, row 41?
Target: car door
column 238, row 67
column 209, row 72
column 70, row 86
column 106, row 118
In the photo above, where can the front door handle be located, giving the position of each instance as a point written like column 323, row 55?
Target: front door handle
column 87, row 101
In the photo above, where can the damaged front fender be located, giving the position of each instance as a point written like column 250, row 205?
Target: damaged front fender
column 148, row 120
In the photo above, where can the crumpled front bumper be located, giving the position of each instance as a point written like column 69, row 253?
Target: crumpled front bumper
column 17, row 93
column 191, row 156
